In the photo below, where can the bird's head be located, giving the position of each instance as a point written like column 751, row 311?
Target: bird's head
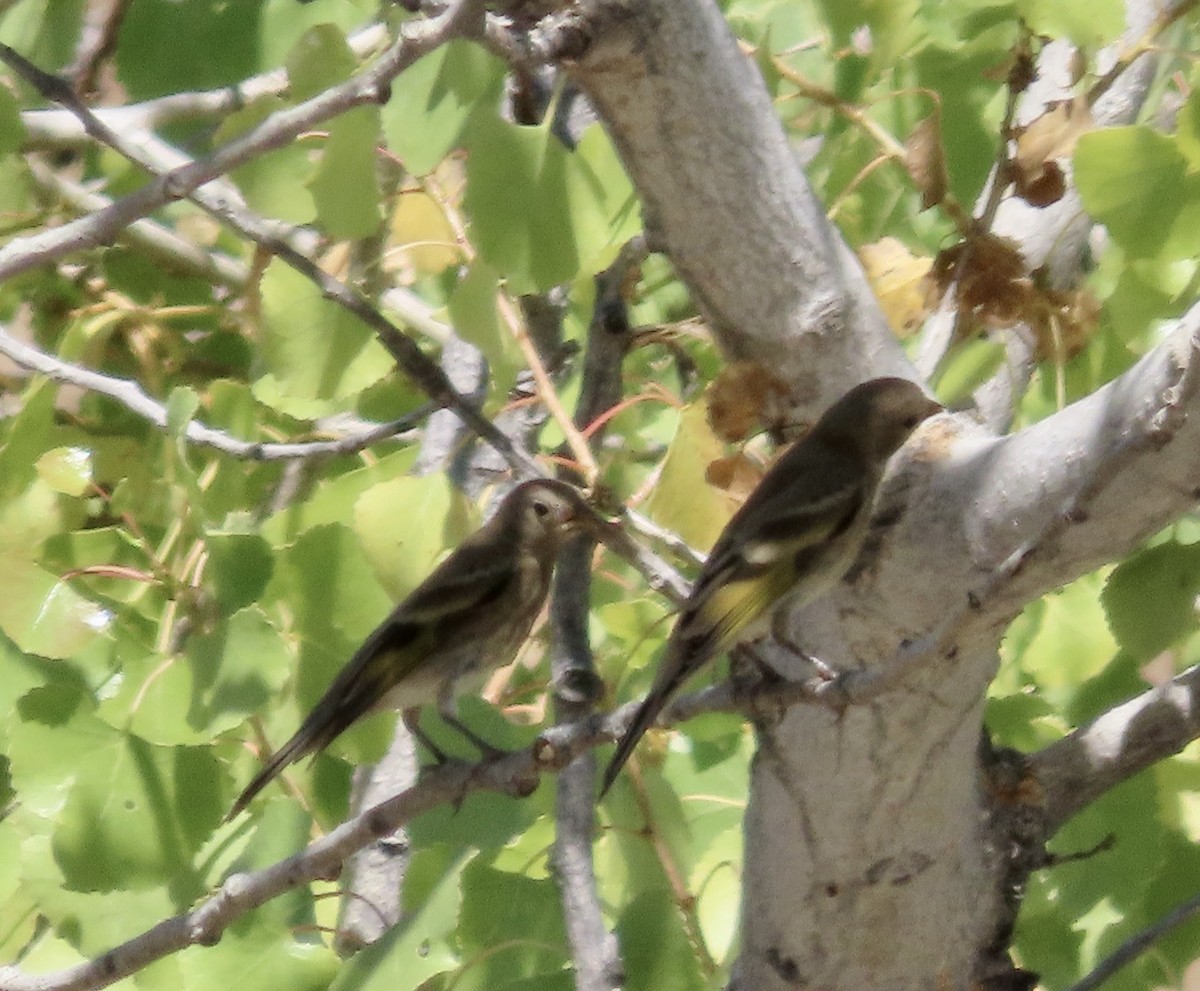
column 879, row 415
column 547, row 509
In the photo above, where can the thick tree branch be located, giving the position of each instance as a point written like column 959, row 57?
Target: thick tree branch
column 1086, row 763
column 724, row 196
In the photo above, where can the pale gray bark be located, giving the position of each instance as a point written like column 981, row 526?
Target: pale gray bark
column 871, row 860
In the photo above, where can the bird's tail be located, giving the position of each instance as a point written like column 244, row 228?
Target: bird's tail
column 323, row 724
column 299, row 745
column 643, row 719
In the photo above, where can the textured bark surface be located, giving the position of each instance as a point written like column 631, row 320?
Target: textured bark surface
column 871, row 858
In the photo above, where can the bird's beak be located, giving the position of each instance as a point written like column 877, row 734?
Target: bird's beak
column 584, row 520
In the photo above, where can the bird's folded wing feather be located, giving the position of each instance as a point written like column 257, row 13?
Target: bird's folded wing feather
column 470, row 579
column 748, row 572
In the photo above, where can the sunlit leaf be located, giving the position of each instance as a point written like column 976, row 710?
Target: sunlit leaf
column 66, row 469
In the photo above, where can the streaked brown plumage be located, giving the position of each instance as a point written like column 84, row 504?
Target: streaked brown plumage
column 468, row 617
column 794, row 538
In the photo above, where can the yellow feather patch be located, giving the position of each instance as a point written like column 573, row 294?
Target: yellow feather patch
column 735, row 605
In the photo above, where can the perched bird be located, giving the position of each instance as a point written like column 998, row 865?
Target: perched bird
column 469, row 616
column 795, row 537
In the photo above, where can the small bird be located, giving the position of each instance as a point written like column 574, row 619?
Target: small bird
column 795, row 537
column 469, row 616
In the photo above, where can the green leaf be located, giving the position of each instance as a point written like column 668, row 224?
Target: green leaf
column 967, row 367
column 239, row 567
column 274, row 183
column 126, row 814
column 223, row 677
column 19, row 917
column 682, row 500
column 1131, row 179
column 182, row 406
column 1071, row 642
column 313, row 349
column 66, row 469
column 29, row 519
column 1088, row 24
column 320, row 58
column 95, row 920
column 202, row 44
column 540, row 213
column 1149, row 600
column 405, row 524
column 655, row 947
column 473, row 313
column 489, row 820
column 27, row 435
column 259, row 960
column 45, row 616
column 12, row 131
column 334, row 499
column 432, row 101
column 345, row 186
column 716, row 881
column 517, row 201
column 1187, row 130
column 21, row 674
column 524, row 939
column 421, row 946
column 44, row 31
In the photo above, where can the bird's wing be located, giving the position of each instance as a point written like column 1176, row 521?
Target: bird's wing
column 769, row 545
column 458, row 592
column 470, row 579
column 763, row 553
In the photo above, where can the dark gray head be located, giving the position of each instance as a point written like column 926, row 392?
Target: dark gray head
column 544, row 510
column 877, row 416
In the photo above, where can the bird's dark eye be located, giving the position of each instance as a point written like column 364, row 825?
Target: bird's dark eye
column 542, row 509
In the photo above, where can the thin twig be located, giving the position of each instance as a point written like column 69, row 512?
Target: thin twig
column 63, row 129
column 514, row 774
column 1131, row 53
column 547, row 393
column 130, row 395
column 1138, row 944
column 661, row 535
column 186, row 181
column 368, row 87
column 157, row 241
column 685, row 901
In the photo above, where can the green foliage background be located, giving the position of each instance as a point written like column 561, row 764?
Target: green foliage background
column 156, row 615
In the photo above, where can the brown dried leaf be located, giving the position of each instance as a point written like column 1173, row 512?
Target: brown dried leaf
column 736, row 475
column 1046, row 188
column 743, row 398
column 898, row 279
column 926, row 161
column 993, row 287
column 1051, row 136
